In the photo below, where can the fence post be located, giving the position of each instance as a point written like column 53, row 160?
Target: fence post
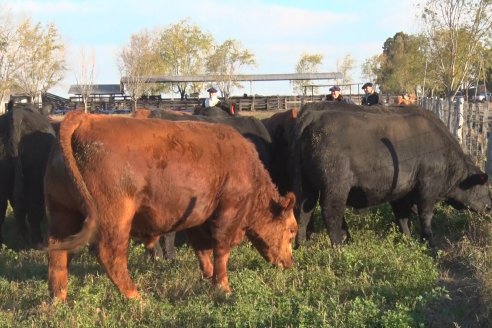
column 458, row 125
column 487, row 131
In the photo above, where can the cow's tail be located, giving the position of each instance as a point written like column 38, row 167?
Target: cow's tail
column 67, row 128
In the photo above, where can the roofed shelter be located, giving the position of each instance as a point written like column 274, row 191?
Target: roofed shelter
column 99, row 92
column 241, row 77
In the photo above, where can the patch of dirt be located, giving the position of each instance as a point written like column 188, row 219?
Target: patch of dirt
column 464, row 307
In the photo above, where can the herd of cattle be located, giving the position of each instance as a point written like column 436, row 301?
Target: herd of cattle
column 219, row 178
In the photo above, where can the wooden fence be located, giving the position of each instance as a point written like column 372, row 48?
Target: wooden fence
column 267, row 103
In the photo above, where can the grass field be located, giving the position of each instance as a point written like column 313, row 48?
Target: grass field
column 380, row 280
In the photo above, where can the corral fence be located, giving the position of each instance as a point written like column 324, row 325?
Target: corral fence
column 470, row 123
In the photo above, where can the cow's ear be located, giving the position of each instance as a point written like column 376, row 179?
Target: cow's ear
column 285, row 204
column 473, row 180
column 288, row 201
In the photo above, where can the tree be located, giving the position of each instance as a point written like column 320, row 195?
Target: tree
column 137, row 62
column 183, row 49
column 10, row 55
column 344, row 66
column 43, row 58
column 85, row 80
column 225, row 64
column 488, row 69
column 371, row 68
column 455, row 30
column 308, row 63
column 402, row 64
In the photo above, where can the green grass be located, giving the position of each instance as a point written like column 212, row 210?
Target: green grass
column 381, row 279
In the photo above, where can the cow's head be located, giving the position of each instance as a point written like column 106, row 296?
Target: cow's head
column 472, row 193
column 273, row 239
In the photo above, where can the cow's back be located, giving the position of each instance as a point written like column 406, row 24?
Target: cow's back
column 150, row 160
column 383, row 153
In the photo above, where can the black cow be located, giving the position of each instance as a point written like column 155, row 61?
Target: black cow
column 280, row 126
column 360, row 157
column 26, row 137
column 222, row 109
column 250, row 127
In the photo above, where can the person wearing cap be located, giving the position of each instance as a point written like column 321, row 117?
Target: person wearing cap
column 371, row 97
column 335, row 95
column 213, row 99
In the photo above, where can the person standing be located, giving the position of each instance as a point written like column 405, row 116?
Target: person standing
column 336, row 95
column 213, row 99
column 371, row 97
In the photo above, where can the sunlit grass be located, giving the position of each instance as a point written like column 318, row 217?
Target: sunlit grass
column 381, row 279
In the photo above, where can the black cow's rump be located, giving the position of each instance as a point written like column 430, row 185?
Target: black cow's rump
column 26, row 137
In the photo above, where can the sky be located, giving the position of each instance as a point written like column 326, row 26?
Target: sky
column 277, row 32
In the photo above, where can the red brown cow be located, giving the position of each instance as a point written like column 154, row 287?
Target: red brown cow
column 203, row 178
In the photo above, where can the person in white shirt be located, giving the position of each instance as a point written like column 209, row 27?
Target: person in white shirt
column 213, row 98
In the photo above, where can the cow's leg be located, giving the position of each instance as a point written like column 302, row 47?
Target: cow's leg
column 402, row 208
column 221, row 257
column 305, row 206
column 218, row 234
column 333, row 206
column 35, row 212
column 169, row 248
column 20, row 219
column 225, row 232
column 63, row 223
column 34, row 216
column 58, row 262
column 153, row 247
column 114, row 235
column 426, row 210
column 3, row 212
column 202, row 244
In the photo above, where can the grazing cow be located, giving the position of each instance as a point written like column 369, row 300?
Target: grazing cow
column 363, row 157
column 205, row 179
column 250, row 127
column 26, row 137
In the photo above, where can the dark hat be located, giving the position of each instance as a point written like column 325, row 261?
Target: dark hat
column 368, row 84
column 335, row 88
column 212, row 90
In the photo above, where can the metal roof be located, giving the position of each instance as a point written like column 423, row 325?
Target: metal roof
column 242, row 77
column 98, row 89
